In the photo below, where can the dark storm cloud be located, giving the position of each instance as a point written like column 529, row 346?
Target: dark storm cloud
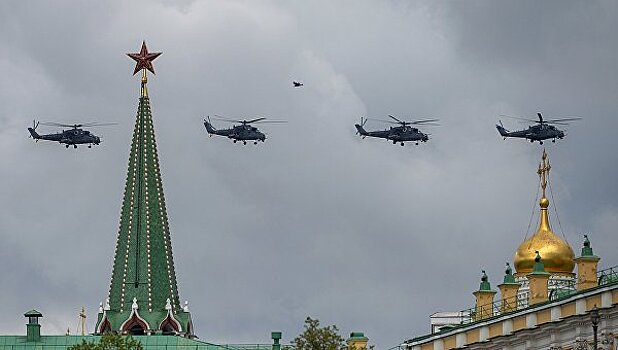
column 360, row 233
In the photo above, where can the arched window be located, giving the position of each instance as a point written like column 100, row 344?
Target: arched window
column 169, row 326
column 106, row 327
column 136, row 329
column 135, row 326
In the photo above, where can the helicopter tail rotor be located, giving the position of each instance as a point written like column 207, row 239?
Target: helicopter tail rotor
column 32, row 130
column 209, row 128
column 359, row 127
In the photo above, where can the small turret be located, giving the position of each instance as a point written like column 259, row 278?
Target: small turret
column 508, row 291
column 587, row 267
column 484, row 299
column 357, row 341
column 538, row 279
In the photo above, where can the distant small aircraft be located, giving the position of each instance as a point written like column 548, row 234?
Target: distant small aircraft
column 297, row 84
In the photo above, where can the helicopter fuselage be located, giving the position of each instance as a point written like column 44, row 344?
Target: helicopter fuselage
column 533, row 133
column 75, row 136
column 395, row 134
column 242, row 132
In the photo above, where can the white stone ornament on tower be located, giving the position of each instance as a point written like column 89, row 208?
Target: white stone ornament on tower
column 134, row 306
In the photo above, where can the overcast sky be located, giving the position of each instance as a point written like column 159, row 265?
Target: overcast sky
column 364, row 234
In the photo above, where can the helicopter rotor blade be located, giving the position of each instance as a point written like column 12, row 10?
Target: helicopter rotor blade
column 560, row 120
column 399, row 121
column 425, row 122
column 253, row 120
column 57, row 124
column 218, row 117
column 90, row 124
column 383, row 121
column 96, row 124
column 271, row 122
column 520, row 118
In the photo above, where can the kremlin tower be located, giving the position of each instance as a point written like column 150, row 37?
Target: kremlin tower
column 143, row 296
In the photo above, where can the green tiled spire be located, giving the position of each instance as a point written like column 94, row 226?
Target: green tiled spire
column 143, row 291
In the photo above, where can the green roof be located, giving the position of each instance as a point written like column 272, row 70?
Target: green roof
column 33, row 313
column 152, row 342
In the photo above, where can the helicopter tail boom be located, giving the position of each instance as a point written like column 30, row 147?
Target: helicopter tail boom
column 503, row 132
column 360, row 130
column 209, row 128
column 34, row 134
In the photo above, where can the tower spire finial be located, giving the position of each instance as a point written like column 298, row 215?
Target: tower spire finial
column 144, row 62
column 543, row 171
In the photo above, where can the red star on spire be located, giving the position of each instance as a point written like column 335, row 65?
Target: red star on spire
column 144, row 59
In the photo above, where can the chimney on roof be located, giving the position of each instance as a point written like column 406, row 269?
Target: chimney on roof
column 276, row 337
column 33, row 328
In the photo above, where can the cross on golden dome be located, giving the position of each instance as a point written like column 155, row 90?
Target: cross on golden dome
column 558, row 256
column 544, row 168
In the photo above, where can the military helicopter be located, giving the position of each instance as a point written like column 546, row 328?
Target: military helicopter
column 74, row 136
column 243, row 132
column 543, row 130
column 297, row 84
column 402, row 133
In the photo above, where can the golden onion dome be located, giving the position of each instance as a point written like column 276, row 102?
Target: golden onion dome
column 558, row 256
